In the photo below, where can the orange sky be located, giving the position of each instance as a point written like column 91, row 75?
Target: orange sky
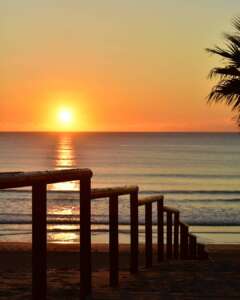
column 118, row 65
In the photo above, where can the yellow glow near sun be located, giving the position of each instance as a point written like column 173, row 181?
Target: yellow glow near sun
column 65, row 116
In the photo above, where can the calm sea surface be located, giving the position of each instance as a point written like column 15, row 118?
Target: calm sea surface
column 198, row 173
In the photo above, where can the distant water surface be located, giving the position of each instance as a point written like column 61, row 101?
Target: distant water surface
column 199, row 173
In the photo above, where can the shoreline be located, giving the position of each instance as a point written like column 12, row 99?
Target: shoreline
column 211, row 235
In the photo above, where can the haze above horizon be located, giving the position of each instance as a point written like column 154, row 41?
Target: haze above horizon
column 111, row 66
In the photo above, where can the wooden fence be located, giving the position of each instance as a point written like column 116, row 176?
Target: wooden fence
column 180, row 244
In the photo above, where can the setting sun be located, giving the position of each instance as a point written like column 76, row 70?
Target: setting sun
column 65, row 116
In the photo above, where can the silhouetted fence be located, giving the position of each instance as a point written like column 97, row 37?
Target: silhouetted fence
column 180, row 244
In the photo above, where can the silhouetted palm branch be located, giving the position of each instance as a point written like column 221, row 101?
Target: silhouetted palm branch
column 227, row 89
column 225, row 72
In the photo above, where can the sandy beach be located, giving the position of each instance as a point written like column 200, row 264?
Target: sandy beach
column 216, row 278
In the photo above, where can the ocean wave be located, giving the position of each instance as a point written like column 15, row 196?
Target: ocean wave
column 211, row 192
column 204, row 201
column 203, row 192
column 121, row 231
column 141, row 222
column 176, row 175
column 218, row 198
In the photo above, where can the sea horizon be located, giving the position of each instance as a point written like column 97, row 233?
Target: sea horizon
column 92, row 131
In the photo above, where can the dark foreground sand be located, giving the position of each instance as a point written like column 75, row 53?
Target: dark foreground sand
column 216, row 278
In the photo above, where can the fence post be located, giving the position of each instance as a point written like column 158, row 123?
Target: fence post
column 134, row 231
column 148, row 234
column 181, row 241
column 201, row 253
column 160, row 232
column 186, row 248
column 39, row 241
column 176, row 235
column 113, row 240
column 85, row 237
column 184, row 241
column 192, row 246
column 169, row 234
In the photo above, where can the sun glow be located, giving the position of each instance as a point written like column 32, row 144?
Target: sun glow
column 67, row 112
column 65, row 116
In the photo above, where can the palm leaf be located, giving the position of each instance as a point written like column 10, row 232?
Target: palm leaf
column 227, row 89
column 236, row 23
column 224, row 72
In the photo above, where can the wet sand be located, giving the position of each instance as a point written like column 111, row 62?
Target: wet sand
column 216, row 278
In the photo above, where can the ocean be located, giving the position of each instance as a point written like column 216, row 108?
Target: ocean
column 198, row 173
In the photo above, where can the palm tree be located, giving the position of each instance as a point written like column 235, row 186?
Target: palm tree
column 227, row 88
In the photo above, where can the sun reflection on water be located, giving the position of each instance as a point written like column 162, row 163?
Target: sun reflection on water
column 65, row 159
column 65, row 153
column 63, row 233
column 64, row 209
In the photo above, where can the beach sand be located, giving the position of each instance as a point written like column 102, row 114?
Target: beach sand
column 216, row 278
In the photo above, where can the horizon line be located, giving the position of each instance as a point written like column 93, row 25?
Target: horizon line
column 102, row 131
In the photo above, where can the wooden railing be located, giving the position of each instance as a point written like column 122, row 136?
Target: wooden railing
column 180, row 244
column 39, row 181
column 113, row 194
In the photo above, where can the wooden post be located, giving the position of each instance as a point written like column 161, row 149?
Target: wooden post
column 181, row 241
column 160, row 232
column 134, row 231
column 186, row 247
column 85, row 237
column 39, row 241
column 201, row 253
column 192, row 246
column 199, row 250
column 148, row 234
column 169, row 234
column 176, row 235
column 113, row 240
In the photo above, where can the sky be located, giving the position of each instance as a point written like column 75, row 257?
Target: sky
column 111, row 65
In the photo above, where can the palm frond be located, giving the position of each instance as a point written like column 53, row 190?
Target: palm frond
column 229, row 71
column 219, row 51
column 231, row 53
column 227, row 91
column 236, row 23
column 234, row 39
